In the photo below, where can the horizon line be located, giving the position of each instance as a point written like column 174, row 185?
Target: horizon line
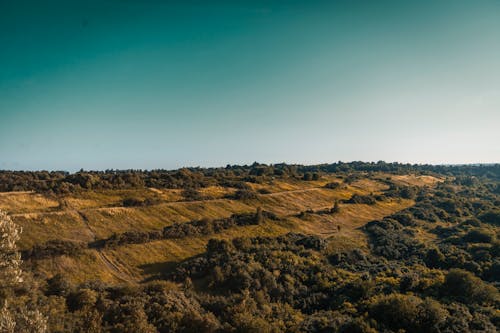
column 477, row 164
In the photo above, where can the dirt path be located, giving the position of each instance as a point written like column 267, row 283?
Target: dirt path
column 110, row 265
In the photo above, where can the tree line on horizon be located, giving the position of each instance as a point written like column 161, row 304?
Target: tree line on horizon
column 60, row 182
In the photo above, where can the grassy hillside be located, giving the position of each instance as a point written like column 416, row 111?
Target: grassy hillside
column 333, row 248
column 89, row 215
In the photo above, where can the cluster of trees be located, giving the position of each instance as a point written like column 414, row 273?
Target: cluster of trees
column 467, row 237
column 243, row 194
column 405, row 192
column 52, row 248
column 61, row 182
column 362, row 199
column 277, row 284
column 140, row 202
column 297, row 273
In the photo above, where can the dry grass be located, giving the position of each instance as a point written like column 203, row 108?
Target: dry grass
column 25, row 202
column 369, row 185
column 149, row 259
column 85, row 267
column 106, row 221
column 216, row 192
column 41, row 227
column 43, row 219
column 414, row 180
column 350, row 219
column 292, row 184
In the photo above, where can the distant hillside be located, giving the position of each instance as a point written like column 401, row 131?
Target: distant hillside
column 61, row 182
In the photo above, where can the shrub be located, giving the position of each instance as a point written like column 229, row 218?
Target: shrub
column 312, row 242
column 307, row 176
column 362, row 199
column 467, row 288
column 58, row 285
column 332, row 185
column 128, row 237
column 192, row 194
column 434, row 258
column 132, row 202
column 405, row 219
column 431, row 315
column 244, row 195
column 391, row 240
column 479, row 236
column 410, row 313
column 137, row 202
column 56, row 247
column 336, row 208
column 408, row 192
column 491, row 217
column 80, row 299
column 396, row 311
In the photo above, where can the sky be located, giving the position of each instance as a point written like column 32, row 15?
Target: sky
column 165, row 84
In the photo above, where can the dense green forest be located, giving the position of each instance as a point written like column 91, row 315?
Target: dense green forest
column 433, row 267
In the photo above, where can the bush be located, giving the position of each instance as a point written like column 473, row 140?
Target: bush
column 244, row 195
column 52, row 248
column 80, row 299
column 405, row 219
column 434, row 258
column 192, row 194
column 336, row 208
column 362, row 199
column 467, row 288
column 132, row 202
column 396, row 311
column 58, row 285
column 312, row 242
column 307, row 176
column 479, row 236
column 332, row 185
column 207, row 226
column 491, row 217
column 391, row 240
column 128, row 237
column 408, row 192
column 410, row 313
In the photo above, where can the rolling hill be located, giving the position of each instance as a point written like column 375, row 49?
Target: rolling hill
column 359, row 247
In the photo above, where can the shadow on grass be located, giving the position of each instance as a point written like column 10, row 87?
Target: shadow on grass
column 161, row 270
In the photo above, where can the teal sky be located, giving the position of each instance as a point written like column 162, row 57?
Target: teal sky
column 164, row 84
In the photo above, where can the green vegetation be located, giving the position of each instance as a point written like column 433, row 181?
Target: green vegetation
column 359, row 247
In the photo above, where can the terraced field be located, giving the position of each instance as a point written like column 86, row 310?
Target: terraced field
column 95, row 215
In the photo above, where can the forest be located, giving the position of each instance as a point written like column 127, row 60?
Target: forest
column 433, row 266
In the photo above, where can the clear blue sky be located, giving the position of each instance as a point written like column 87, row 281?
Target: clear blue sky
column 165, row 84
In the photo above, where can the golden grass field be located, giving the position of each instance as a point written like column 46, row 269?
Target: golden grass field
column 85, row 216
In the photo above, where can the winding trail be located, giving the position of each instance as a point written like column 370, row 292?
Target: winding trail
column 110, row 265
